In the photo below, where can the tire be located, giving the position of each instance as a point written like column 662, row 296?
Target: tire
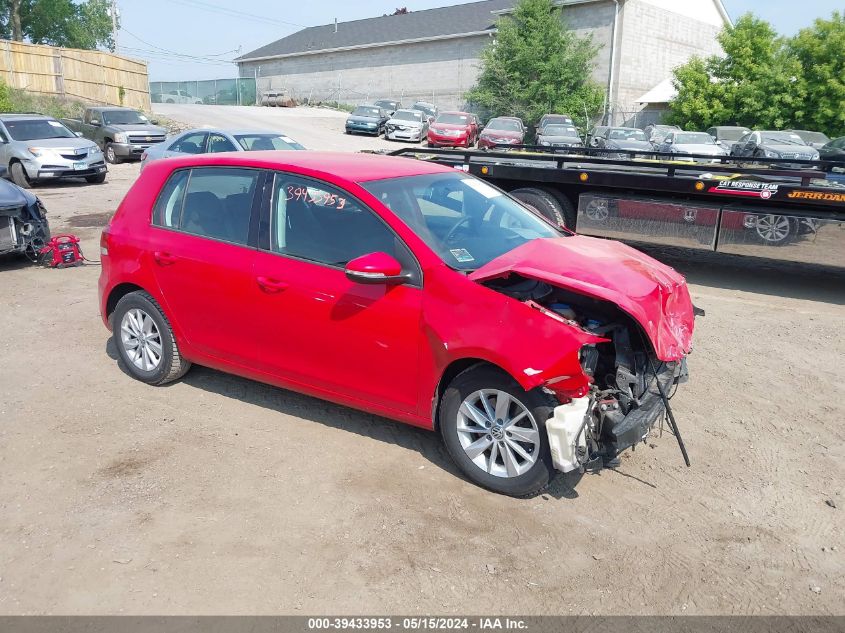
column 467, row 386
column 170, row 101
column 556, row 209
column 96, row 179
column 171, row 364
column 111, row 155
column 19, row 176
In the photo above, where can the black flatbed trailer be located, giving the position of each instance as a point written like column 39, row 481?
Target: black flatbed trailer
column 791, row 210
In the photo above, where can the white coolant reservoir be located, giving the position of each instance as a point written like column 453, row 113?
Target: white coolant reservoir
column 563, row 428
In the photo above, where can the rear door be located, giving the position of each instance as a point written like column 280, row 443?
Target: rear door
column 202, row 252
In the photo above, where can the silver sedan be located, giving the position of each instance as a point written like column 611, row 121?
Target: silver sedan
column 211, row 141
column 406, row 125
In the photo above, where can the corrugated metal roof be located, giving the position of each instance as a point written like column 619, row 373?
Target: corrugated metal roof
column 430, row 23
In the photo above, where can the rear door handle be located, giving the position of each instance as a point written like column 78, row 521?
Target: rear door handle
column 270, row 285
column 164, row 259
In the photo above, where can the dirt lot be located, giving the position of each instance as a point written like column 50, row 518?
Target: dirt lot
column 221, row 495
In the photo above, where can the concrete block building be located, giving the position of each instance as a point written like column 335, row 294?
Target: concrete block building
column 433, row 55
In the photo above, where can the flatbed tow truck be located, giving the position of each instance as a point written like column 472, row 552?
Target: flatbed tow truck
column 780, row 209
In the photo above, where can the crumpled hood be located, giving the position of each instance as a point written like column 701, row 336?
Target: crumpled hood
column 569, row 140
column 712, row 150
column 654, row 294
column 404, row 123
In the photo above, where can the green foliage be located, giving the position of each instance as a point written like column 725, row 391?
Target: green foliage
column 535, row 66
column 13, row 100
column 765, row 81
column 820, row 49
column 61, row 22
column 121, row 94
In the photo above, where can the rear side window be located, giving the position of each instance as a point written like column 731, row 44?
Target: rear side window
column 210, row 202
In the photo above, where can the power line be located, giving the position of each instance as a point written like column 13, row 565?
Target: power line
column 165, row 50
column 160, row 56
column 198, row 4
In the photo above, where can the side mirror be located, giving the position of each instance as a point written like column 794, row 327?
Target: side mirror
column 95, row 122
column 375, row 268
column 79, row 134
column 154, row 122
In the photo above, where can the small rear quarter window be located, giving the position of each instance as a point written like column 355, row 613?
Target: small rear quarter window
column 168, row 207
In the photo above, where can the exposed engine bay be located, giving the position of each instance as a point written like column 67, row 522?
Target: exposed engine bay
column 629, row 387
column 23, row 222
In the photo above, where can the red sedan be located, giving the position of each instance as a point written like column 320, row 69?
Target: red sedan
column 403, row 288
column 453, row 129
column 503, row 130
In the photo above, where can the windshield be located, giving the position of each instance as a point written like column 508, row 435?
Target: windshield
column 366, row 111
column 732, row 135
column 424, row 107
column 782, row 138
column 560, row 130
column 556, row 119
column 124, row 117
column 453, row 119
column 508, row 125
column 408, row 115
column 259, row 142
column 32, row 129
column 384, row 103
column 627, row 135
column 813, row 137
column 466, row 221
column 695, row 138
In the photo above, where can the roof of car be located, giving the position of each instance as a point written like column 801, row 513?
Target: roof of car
column 24, row 115
column 348, row 166
column 237, row 132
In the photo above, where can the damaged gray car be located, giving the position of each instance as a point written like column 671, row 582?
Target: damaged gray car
column 23, row 222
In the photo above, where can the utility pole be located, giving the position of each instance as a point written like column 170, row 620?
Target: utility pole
column 114, row 16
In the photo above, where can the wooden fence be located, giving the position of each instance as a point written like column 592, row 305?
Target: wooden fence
column 91, row 76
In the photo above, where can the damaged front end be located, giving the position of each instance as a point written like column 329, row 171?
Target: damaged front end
column 637, row 357
column 23, row 222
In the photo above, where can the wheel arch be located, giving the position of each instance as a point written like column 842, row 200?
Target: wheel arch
column 452, row 370
column 117, row 293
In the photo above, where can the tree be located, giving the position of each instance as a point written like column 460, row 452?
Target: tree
column 819, row 50
column 766, row 81
column 58, row 22
column 536, row 65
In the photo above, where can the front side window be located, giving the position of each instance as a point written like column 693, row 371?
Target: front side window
column 213, row 202
column 466, row 221
column 190, row 143
column 315, row 221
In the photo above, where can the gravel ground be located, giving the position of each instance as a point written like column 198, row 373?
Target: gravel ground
column 221, row 495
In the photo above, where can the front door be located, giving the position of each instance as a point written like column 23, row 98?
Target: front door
column 319, row 328
column 202, row 257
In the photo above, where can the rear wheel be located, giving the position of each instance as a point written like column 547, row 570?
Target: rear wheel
column 19, row 176
column 145, row 340
column 556, row 209
column 495, row 431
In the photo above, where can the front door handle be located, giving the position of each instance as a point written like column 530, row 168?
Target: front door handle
column 270, row 285
column 164, row 259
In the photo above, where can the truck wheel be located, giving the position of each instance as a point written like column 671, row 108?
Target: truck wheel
column 111, row 155
column 97, row 179
column 495, row 431
column 19, row 176
column 556, row 209
column 169, row 101
column 145, row 340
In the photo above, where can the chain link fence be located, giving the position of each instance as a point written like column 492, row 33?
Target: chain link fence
column 210, row 92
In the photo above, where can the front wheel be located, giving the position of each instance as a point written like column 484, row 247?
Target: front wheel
column 495, row 431
column 145, row 340
column 111, row 155
column 19, row 176
column 96, row 179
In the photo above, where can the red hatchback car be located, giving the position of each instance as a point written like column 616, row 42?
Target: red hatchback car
column 405, row 289
column 453, row 129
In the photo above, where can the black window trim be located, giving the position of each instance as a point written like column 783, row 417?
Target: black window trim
column 266, row 225
column 254, row 211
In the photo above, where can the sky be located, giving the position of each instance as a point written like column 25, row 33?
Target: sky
column 196, row 39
